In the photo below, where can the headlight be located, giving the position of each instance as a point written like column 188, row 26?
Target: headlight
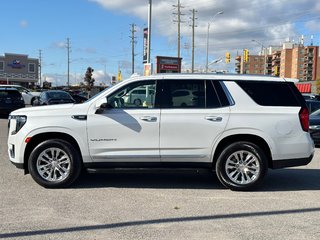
column 18, row 122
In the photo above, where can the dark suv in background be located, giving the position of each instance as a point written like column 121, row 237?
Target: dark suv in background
column 10, row 100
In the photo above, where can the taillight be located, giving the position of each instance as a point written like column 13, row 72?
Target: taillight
column 304, row 118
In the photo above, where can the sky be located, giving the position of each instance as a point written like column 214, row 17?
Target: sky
column 99, row 32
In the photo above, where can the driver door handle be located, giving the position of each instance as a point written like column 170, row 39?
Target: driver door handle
column 148, row 118
column 213, row 118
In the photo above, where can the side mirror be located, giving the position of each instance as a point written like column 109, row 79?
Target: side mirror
column 101, row 105
column 104, row 105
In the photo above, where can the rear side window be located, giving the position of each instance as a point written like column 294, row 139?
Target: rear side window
column 271, row 93
column 10, row 94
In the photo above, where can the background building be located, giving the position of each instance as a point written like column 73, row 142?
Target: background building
column 18, row 69
column 289, row 60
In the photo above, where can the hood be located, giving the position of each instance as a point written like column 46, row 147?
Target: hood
column 47, row 110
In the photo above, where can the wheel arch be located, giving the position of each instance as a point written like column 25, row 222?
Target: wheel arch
column 35, row 140
column 259, row 141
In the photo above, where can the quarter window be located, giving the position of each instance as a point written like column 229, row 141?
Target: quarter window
column 270, row 93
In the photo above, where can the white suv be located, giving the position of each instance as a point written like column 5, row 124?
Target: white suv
column 239, row 126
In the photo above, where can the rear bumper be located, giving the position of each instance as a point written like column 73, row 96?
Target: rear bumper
column 291, row 162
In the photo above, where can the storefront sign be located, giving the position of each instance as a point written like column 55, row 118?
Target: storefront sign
column 16, row 64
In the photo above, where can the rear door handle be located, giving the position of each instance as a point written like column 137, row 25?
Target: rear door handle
column 213, row 118
column 149, row 118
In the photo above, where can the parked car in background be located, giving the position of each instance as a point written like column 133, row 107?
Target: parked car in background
column 28, row 95
column 314, row 126
column 51, row 97
column 186, row 98
column 139, row 95
column 10, row 100
column 78, row 97
column 311, row 96
column 312, row 105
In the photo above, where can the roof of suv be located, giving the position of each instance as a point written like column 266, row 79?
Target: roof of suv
column 8, row 89
column 213, row 76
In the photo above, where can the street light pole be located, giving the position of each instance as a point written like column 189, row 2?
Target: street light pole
column 207, row 50
column 264, row 49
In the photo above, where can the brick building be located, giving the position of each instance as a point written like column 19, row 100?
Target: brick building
column 290, row 61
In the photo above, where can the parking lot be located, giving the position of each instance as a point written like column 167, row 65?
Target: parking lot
column 159, row 205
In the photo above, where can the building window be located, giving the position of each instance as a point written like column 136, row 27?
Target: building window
column 31, row 68
column 1, row 65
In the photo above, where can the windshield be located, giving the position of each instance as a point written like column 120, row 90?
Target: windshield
column 315, row 113
column 58, row 95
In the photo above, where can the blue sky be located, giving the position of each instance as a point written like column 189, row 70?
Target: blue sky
column 99, row 31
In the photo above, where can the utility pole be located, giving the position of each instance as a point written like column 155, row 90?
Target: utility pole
column 179, row 14
column 133, row 30
column 40, row 65
column 149, row 31
column 68, row 61
column 193, row 26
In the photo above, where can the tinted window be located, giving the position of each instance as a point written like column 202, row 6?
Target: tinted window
column 270, row 93
column 221, row 92
column 313, row 105
column 212, row 98
column 10, row 94
column 183, row 94
column 58, row 95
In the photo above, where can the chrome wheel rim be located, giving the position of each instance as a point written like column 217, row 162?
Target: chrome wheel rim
column 242, row 167
column 53, row 165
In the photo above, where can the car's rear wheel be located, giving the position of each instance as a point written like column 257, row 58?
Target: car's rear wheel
column 54, row 163
column 137, row 102
column 241, row 166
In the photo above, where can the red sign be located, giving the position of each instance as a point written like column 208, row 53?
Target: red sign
column 169, row 67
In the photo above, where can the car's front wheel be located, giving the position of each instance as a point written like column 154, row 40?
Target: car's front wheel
column 54, row 163
column 241, row 166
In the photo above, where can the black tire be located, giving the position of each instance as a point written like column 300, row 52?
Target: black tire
column 64, row 163
column 137, row 102
column 241, row 166
column 32, row 101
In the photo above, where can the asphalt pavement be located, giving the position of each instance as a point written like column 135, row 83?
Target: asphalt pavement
column 159, row 205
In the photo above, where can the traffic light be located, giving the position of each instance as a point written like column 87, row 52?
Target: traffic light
column 276, row 71
column 228, row 57
column 245, row 55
